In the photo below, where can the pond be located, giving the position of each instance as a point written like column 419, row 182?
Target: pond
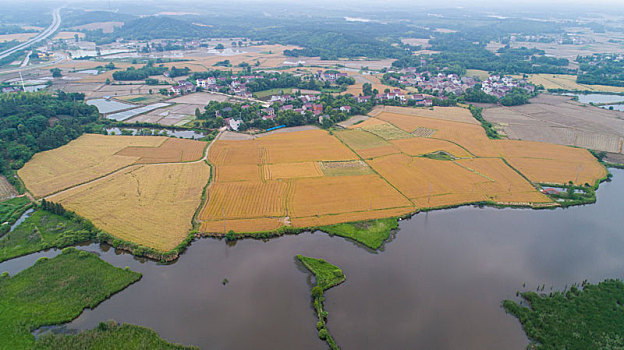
column 438, row 284
column 183, row 133
column 597, row 98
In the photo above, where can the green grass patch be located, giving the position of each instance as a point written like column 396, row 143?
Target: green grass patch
column 487, row 126
column 372, row 233
column 359, row 139
column 345, row 168
column 12, row 209
column 590, row 317
column 108, row 335
column 439, row 155
column 388, row 131
column 327, row 276
column 55, row 291
column 43, row 230
column 269, row 92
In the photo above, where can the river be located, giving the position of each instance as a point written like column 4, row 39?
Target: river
column 438, row 284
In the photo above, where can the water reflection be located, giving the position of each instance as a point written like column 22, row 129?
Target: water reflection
column 438, row 285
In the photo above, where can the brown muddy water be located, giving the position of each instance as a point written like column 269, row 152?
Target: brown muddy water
column 437, row 285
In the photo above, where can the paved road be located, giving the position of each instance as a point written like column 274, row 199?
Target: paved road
column 56, row 23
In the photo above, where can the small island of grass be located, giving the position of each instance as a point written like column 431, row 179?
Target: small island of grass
column 371, row 233
column 591, row 317
column 327, row 276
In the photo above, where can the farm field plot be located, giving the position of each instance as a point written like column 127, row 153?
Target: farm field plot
column 151, row 205
column 178, row 114
column 243, row 200
column 291, row 170
column 387, row 131
column 358, row 139
column 367, row 122
column 454, row 114
column 348, row 168
column 235, row 173
column 341, row 194
column 558, row 119
column 170, row 151
column 242, row 225
column 6, row 189
column 86, row 158
column 417, row 146
column 470, row 136
column 391, row 178
column 428, row 182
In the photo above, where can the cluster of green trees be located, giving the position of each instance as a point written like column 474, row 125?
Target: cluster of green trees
column 489, row 128
column 589, row 317
column 600, row 69
column 14, row 29
column 142, row 73
column 34, row 122
column 458, row 53
column 335, row 45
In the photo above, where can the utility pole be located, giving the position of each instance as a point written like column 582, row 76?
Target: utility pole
column 22, row 79
column 578, row 172
column 429, row 199
column 224, row 220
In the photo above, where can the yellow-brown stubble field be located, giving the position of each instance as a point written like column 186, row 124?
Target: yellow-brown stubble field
column 292, row 188
column 147, row 189
column 152, row 205
column 401, row 171
column 92, row 156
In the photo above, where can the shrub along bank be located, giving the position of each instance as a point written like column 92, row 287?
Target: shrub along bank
column 327, row 276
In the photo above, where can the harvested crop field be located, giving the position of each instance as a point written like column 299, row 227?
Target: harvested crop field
column 171, row 151
column 558, row 119
column 151, row 205
column 305, row 173
column 86, row 158
column 147, row 189
column 391, row 173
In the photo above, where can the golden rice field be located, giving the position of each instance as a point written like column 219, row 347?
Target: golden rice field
column 147, row 189
column 86, row 158
column 152, row 205
column 378, row 169
column 92, row 156
column 171, row 151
